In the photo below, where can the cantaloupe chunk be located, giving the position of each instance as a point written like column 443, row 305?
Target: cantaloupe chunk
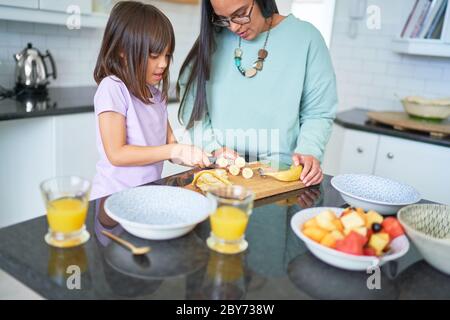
column 316, row 234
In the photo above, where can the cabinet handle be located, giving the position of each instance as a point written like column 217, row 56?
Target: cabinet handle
column 359, row 150
column 390, row 155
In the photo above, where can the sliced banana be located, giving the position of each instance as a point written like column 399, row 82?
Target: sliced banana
column 247, row 173
column 240, row 162
column 222, row 162
column 234, row 170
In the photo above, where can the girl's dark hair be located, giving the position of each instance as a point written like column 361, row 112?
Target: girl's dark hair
column 133, row 32
column 199, row 59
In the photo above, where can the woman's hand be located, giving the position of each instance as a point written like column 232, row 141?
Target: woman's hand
column 190, row 155
column 311, row 173
column 226, row 153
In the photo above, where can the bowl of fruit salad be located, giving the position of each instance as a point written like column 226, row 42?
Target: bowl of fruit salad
column 351, row 238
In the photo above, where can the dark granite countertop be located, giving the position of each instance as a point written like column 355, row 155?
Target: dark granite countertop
column 59, row 101
column 277, row 265
column 357, row 119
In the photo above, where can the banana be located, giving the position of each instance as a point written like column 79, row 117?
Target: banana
column 293, row 174
column 210, row 178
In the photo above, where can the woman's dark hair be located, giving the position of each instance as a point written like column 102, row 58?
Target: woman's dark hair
column 133, row 32
column 199, row 59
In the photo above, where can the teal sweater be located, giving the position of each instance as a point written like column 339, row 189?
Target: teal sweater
column 287, row 107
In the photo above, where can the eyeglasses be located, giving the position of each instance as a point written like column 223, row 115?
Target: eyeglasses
column 225, row 22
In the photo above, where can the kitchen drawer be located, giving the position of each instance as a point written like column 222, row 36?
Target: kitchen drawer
column 422, row 165
column 358, row 152
column 31, row 4
column 62, row 5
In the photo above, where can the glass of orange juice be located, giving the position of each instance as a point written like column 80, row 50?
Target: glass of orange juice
column 232, row 206
column 66, row 200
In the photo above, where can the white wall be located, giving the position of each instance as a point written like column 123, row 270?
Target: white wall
column 75, row 51
column 318, row 12
column 369, row 74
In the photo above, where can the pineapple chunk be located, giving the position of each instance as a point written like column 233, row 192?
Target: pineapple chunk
column 378, row 242
column 373, row 217
column 325, row 220
column 337, row 234
column 311, row 223
column 353, row 220
column 316, row 234
column 338, row 224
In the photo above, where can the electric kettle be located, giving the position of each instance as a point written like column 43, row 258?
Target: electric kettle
column 31, row 69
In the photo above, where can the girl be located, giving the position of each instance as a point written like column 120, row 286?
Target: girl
column 134, row 136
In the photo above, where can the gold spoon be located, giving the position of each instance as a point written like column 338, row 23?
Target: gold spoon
column 133, row 249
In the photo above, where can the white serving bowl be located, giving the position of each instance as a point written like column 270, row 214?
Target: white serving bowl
column 158, row 212
column 399, row 246
column 428, row 226
column 427, row 108
column 371, row 192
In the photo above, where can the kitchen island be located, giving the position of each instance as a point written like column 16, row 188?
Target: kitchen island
column 276, row 265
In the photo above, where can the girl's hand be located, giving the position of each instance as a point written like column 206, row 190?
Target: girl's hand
column 311, row 173
column 226, row 153
column 190, row 155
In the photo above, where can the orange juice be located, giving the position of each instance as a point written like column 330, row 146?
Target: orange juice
column 229, row 223
column 66, row 215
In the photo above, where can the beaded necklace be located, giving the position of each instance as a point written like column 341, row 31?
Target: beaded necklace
column 258, row 64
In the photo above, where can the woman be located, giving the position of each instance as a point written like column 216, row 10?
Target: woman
column 259, row 74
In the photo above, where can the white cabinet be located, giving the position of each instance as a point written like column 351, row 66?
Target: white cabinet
column 27, row 158
column 31, row 4
column 33, row 150
column 53, row 12
column 358, row 152
column 422, row 165
column 76, row 151
column 62, row 5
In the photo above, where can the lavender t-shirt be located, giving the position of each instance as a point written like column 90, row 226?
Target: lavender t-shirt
column 146, row 125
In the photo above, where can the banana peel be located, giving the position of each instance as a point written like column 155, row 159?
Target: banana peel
column 210, row 178
column 293, row 174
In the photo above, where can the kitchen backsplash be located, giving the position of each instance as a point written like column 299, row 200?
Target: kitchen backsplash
column 370, row 74
column 75, row 51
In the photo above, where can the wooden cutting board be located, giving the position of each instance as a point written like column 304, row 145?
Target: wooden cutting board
column 263, row 187
column 402, row 121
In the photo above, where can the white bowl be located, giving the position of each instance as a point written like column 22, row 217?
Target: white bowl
column 158, row 212
column 427, row 108
column 428, row 226
column 371, row 192
column 399, row 246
